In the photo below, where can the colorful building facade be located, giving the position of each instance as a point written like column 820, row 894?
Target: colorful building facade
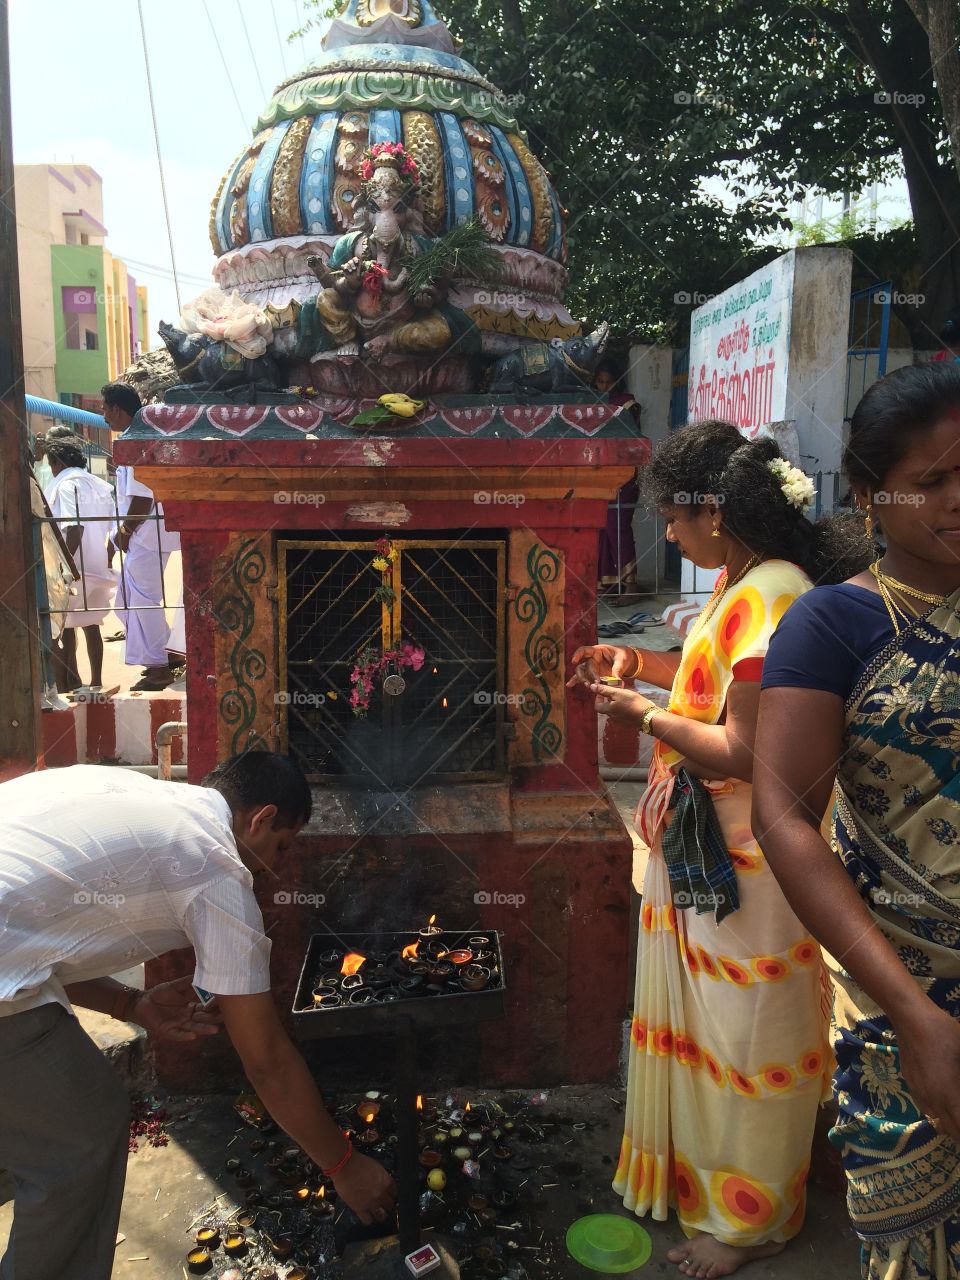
column 85, row 318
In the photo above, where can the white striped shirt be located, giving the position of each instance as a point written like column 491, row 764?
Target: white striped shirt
column 102, row 868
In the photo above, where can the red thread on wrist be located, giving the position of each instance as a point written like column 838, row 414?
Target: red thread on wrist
column 342, row 1162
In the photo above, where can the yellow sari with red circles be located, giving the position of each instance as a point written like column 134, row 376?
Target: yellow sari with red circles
column 729, row 1053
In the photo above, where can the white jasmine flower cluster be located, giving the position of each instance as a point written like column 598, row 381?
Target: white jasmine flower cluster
column 798, row 489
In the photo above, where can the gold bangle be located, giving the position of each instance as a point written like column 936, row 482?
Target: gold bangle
column 646, row 719
column 639, row 657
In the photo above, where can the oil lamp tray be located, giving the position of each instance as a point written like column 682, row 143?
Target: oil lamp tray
column 387, row 973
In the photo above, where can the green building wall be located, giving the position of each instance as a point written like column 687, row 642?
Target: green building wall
column 80, row 265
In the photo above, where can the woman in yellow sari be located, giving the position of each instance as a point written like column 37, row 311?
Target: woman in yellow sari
column 862, row 697
column 729, row 1056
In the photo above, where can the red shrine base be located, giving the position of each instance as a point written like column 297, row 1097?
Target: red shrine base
column 554, row 880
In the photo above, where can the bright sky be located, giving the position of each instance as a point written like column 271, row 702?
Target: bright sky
column 80, row 94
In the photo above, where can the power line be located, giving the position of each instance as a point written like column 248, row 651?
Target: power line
column 226, row 65
column 253, row 56
column 156, row 138
column 276, row 27
column 303, row 48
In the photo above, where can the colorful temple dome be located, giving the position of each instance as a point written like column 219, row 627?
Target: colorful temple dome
column 390, row 71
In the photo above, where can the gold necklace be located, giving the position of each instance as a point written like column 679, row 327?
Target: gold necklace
column 896, row 609
column 927, row 596
column 720, row 590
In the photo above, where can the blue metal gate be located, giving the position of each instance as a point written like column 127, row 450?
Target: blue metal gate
column 868, row 340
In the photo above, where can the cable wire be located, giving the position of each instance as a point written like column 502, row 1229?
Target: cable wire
column 226, row 65
column 253, row 56
column 276, row 27
column 156, row 138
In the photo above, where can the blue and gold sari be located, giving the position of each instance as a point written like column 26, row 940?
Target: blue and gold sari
column 897, row 829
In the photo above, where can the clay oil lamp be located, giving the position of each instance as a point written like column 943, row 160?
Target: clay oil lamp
column 504, row 1198
column 289, row 1173
column 369, row 1138
column 456, row 1132
column 473, row 977
column 362, row 995
column 482, row 957
column 233, row 1165
column 274, row 1200
column 502, row 1153
column 479, row 942
column 330, row 959
column 208, row 1238
column 291, row 1153
column 235, row 1243
column 265, row 1273
column 281, row 1248
column 477, row 1202
column 461, row 1154
column 412, row 986
column 368, row 1111
column 257, row 1145
column 475, row 1138
column 351, row 982
column 232, row 1274
column 303, row 1195
column 246, row 1218
column 389, row 997
column 298, row 1273
column 327, row 999
column 352, row 964
column 463, row 955
column 441, row 1137
column 199, row 1260
column 320, row 1206
column 431, row 930
column 429, row 1158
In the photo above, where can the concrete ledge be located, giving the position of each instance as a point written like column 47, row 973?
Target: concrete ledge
column 119, row 730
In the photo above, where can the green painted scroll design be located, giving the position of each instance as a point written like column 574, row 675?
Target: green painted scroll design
column 386, row 88
column 540, row 650
column 236, row 615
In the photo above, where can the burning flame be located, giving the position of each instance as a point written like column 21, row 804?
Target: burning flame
column 445, row 703
column 441, row 954
column 368, row 1117
column 435, row 671
column 352, row 963
column 411, row 952
column 468, row 1107
column 419, row 1101
column 321, row 1193
column 431, row 920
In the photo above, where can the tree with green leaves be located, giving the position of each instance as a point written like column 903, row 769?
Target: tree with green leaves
column 646, row 115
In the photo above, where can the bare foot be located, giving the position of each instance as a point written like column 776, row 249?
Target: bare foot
column 706, row 1257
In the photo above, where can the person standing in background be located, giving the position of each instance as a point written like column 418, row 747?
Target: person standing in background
column 84, row 504
column 145, row 544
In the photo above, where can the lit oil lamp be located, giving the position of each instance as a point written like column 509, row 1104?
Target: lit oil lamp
column 208, row 1238
column 431, row 930
column 353, row 962
column 411, row 952
column 351, row 982
column 320, row 1206
column 327, row 999
column 368, row 1111
column 199, row 1261
column 302, row 1194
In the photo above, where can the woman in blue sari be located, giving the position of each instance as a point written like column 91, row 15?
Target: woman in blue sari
column 861, row 688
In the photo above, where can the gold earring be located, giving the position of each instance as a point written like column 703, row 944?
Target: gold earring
column 868, row 520
column 715, row 533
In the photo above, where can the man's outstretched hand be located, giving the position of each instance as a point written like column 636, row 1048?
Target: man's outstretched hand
column 172, row 1011
column 367, row 1188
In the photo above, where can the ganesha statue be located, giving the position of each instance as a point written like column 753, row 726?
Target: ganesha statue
column 368, row 304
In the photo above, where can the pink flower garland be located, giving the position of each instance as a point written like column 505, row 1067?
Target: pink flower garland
column 370, row 664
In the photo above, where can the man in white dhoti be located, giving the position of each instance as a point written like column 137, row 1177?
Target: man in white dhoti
column 84, row 506
column 145, row 543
